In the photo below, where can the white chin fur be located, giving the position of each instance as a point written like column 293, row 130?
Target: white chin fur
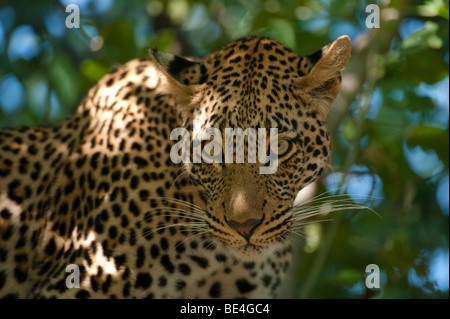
column 251, row 252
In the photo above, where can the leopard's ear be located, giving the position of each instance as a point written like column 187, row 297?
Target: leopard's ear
column 174, row 80
column 322, row 83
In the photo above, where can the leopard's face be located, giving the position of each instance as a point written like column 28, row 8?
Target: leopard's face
column 257, row 83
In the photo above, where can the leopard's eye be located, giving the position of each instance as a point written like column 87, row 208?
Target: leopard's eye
column 282, row 147
column 212, row 152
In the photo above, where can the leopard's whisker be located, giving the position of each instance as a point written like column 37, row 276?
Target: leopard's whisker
column 300, row 225
column 326, row 208
column 175, row 214
column 178, row 174
column 187, row 219
column 191, row 225
column 182, row 212
column 321, row 198
column 211, row 244
column 293, row 231
column 181, row 202
column 350, row 207
column 194, row 235
column 175, row 200
column 191, row 229
column 329, row 204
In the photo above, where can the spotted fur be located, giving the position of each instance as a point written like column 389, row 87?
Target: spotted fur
column 99, row 190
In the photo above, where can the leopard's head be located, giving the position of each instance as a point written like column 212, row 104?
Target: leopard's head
column 251, row 84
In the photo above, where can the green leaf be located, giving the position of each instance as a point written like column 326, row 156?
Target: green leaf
column 426, row 37
column 164, row 40
column 282, row 30
column 431, row 138
column 119, row 40
column 93, row 70
column 416, row 68
column 434, row 8
column 64, row 80
column 349, row 276
column 402, row 96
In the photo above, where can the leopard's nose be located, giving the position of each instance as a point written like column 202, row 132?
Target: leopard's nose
column 246, row 228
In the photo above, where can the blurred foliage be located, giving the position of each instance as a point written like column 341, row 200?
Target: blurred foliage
column 389, row 123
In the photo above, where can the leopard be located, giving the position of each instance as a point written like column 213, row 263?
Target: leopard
column 96, row 207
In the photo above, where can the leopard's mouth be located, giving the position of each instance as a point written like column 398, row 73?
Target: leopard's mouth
column 251, row 252
column 252, row 239
column 248, row 250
